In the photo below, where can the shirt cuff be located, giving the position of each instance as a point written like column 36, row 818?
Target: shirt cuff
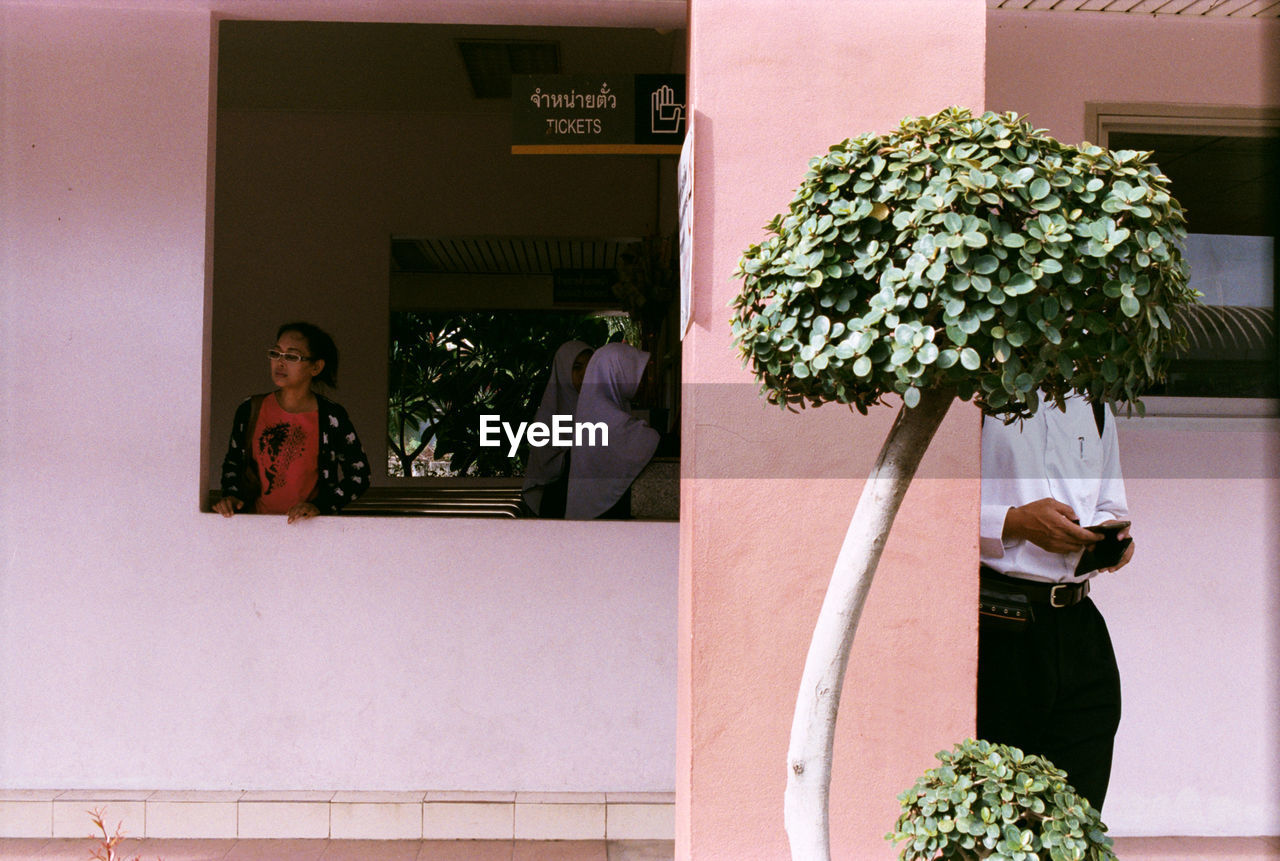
column 991, row 530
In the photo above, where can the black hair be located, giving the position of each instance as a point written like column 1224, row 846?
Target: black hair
column 321, row 346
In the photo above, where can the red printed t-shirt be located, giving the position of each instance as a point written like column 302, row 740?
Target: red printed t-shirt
column 287, row 448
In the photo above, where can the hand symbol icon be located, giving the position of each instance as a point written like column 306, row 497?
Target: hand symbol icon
column 666, row 114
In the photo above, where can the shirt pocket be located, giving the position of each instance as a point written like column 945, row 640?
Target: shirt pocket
column 1073, row 452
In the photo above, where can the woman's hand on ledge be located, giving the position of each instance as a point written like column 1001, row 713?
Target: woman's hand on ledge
column 302, row 511
column 227, row 506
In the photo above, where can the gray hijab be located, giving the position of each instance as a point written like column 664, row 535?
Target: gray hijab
column 600, row 475
column 546, row 464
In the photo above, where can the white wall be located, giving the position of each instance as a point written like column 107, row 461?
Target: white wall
column 1193, row 617
column 144, row 644
column 1193, row 621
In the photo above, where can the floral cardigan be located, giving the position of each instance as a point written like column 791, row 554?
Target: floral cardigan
column 342, row 465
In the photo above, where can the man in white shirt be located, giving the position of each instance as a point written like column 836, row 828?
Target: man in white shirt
column 1047, row 676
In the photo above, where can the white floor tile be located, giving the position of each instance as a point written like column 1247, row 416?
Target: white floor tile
column 537, row 821
column 375, row 821
column 461, row 820
column 196, row 819
column 284, row 819
column 26, row 818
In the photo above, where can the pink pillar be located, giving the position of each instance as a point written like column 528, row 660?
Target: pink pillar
column 767, row 495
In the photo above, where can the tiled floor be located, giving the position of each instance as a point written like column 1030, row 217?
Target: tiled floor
column 417, row 815
column 1127, row 849
column 1197, row 848
column 12, row 849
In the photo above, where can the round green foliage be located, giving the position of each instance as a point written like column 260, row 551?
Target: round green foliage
column 972, row 253
column 993, row 801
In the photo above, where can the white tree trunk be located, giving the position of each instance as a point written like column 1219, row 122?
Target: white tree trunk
column 813, row 727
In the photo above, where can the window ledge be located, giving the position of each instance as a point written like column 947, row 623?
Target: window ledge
column 655, row 497
column 439, row 501
column 1238, row 415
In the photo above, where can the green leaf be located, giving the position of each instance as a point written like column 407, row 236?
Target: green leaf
column 1039, row 188
column 969, row 359
column 986, row 264
column 1019, row 284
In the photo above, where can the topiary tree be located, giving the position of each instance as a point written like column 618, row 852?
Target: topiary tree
column 993, row 801
column 957, row 257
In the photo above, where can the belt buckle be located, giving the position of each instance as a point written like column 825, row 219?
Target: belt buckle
column 1053, row 595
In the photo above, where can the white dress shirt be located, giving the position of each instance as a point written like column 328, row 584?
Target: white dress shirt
column 1053, row 454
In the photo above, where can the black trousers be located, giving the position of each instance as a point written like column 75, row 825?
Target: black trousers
column 1051, row 687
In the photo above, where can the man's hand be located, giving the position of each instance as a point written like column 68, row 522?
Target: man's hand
column 1050, row 525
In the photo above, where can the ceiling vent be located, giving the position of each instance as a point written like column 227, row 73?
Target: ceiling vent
column 491, row 63
column 503, row 255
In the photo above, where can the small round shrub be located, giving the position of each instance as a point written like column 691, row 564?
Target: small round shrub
column 974, row 254
column 993, row 801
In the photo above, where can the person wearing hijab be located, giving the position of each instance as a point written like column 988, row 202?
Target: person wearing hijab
column 600, row 476
column 546, row 475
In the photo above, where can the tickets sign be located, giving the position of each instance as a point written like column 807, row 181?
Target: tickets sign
column 605, row 114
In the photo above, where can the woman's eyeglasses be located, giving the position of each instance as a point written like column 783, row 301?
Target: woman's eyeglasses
column 291, row 358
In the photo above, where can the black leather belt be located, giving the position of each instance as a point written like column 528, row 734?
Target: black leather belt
column 1057, row 595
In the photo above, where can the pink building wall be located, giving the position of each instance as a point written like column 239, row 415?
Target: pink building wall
column 773, row 84
column 143, row 644
column 1193, row 617
column 1049, row 66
